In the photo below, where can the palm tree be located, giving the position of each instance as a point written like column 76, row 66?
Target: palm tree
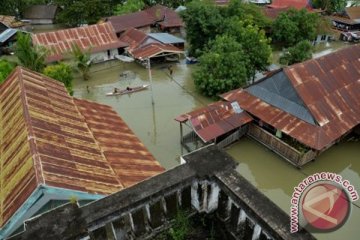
column 83, row 61
column 32, row 57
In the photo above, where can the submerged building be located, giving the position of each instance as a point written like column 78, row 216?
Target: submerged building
column 298, row 111
column 55, row 148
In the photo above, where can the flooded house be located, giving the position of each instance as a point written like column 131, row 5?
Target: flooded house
column 157, row 46
column 302, row 110
column 348, row 21
column 158, row 16
column 56, row 148
column 99, row 39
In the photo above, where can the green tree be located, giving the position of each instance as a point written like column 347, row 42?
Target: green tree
column 298, row 53
column 255, row 44
column 129, row 6
column 247, row 11
column 17, row 7
column 222, row 67
column 203, row 22
column 82, row 61
column 77, row 12
column 294, row 26
column 61, row 72
column 6, row 68
column 330, row 6
column 32, row 57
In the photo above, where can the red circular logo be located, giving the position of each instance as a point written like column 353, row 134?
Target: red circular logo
column 325, row 206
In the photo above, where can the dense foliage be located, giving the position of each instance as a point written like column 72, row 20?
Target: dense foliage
column 294, row 26
column 330, row 6
column 129, row 6
column 230, row 45
column 300, row 52
column 61, row 72
column 6, row 68
column 222, row 67
column 32, row 57
column 203, row 22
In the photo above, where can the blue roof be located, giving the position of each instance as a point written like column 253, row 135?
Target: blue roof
column 8, row 33
column 166, row 38
column 279, row 92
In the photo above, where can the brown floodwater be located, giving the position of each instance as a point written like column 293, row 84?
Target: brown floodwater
column 155, row 126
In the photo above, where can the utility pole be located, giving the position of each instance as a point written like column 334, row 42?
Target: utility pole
column 150, row 79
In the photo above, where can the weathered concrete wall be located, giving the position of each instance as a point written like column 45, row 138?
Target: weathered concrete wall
column 206, row 183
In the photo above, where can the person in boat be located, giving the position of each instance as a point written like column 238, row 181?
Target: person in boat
column 116, row 90
column 128, row 88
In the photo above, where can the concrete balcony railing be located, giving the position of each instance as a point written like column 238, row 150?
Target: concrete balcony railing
column 206, row 184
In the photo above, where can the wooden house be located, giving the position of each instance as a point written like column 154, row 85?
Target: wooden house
column 301, row 110
column 99, row 39
column 55, row 148
column 142, row 46
column 161, row 17
column 348, row 21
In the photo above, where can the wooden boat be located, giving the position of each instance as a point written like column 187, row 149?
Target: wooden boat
column 126, row 91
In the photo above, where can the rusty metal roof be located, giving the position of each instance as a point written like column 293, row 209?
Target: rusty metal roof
column 10, row 21
column 165, row 16
column 133, row 38
column 353, row 12
column 154, row 49
column 49, row 138
column 297, row 4
column 141, row 48
column 132, row 20
column 329, row 86
column 214, row 120
column 97, row 38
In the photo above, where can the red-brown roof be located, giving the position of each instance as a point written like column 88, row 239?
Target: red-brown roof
column 329, row 86
column 153, row 49
column 353, row 12
column 214, row 120
column 133, row 37
column 10, row 21
column 297, row 4
column 165, row 16
column 141, row 49
column 50, row 138
column 273, row 13
column 97, row 38
column 131, row 20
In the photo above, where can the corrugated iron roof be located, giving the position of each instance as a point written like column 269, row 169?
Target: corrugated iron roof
column 165, row 16
column 297, row 4
column 10, row 21
column 133, row 37
column 166, row 38
column 353, row 12
column 8, row 33
column 330, row 88
column 97, row 38
column 131, row 20
column 41, row 12
column 154, row 49
column 141, row 48
column 214, row 120
column 47, row 137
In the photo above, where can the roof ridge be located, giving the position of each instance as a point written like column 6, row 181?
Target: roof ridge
column 38, row 168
